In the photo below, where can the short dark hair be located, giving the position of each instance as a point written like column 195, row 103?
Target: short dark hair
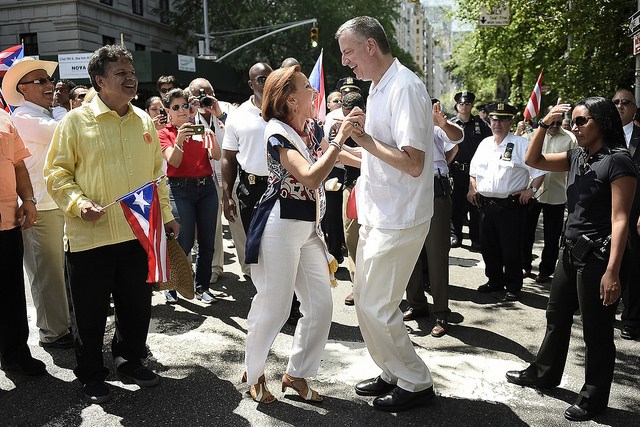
column 605, row 113
column 73, row 93
column 68, row 83
column 174, row 94
column 366, row 27
column 351, row 100
column 279, row 85
column 106, row 54
column 167, row 80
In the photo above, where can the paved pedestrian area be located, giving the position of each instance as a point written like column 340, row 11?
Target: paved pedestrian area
column 198, row 350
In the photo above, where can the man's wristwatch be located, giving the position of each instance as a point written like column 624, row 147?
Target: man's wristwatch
column 543, row 125
column 534, row 189
column 30, row 199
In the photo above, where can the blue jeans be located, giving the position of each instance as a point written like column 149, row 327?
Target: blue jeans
column 195, row 203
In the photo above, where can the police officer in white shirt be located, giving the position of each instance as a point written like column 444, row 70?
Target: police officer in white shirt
column 501, row 185
column 244, row 151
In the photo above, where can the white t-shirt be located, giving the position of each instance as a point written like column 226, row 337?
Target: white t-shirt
column 399, row 115
column 442, row 144
column 35, row 125
column 244, row 133
column 497, row 175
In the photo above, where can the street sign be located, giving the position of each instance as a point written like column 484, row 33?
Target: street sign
column 498, row 16
column 634, row 23
column 636, row 44
column 74, row 65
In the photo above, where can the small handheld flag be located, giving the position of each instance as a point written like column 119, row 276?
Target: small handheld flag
column 317, row 81
column 533, row 106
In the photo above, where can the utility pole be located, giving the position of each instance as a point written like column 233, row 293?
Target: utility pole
column 207, row 37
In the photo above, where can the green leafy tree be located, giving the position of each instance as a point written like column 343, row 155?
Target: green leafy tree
column 230, row 23
column 583, row 46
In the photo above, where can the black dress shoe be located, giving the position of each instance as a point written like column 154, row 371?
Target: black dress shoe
column 488, row 288
column 373, row 387
column 28, row 366
column 525, row 379
column 475, row 246
column 456, row 242
column 512, row 296
column 630, row 333
column 62, row 343
column 415, row 313
column 401, row 400
column 576, row 413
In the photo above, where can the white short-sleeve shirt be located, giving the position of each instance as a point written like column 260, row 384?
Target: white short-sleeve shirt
column 244, row 133
column 496, row 174
column 442, row 144
column 399, row 115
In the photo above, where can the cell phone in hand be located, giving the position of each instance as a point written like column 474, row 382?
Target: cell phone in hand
column 197, row 129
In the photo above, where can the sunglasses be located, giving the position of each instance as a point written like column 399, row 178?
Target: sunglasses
column 261, row 79
column 556, row 123
column 336, row 101
column 165, row 89
column 40, row 81
column 81, row 96
column 580, row 121
column 622, row 101
column 184, row 106
column 464, row 103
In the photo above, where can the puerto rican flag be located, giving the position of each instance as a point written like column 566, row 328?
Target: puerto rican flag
column 141, row 208
column 533, row 106
column 9, row 56
column 317, row 81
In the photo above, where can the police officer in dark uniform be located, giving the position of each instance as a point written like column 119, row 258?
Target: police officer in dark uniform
column 475, row 130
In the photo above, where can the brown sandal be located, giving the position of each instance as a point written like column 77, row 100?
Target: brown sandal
column 301, row 387
column 259, row 392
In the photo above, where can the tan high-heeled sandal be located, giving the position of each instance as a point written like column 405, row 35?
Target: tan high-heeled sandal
column 301, row 387
column 259, row 392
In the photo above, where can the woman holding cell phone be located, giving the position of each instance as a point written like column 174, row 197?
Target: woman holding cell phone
column 187, row 150
column 600, row 190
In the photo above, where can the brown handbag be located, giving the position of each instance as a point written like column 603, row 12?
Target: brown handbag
column 181, row 273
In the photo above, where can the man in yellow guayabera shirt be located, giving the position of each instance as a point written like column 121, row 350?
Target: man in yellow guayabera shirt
column 99, row 152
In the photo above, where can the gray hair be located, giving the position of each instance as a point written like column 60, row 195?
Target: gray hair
column 366, row 27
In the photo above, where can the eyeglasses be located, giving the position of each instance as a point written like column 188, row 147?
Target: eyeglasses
column 336, row 101
column 165, row 89
column 500, row 119
column 261, row 79
column 40, row 81
column 556, row 123
column 580, row 121
column 622, row 101
column 184, row 106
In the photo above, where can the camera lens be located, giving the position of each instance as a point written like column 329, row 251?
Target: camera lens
column 207, row 102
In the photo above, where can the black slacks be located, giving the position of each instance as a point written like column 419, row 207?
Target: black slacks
column 461, row 206
column 14, row 328
column 631, row 281
column 119, row 270
column 553, row 219
column 501, row 230
column 577, row 285
column 332, row 221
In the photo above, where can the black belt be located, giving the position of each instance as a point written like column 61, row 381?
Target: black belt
column 204, row 180
column 251, row 178
column 462, row 167
column 508, row 202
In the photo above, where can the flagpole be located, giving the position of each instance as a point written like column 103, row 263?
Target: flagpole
column 157, row 180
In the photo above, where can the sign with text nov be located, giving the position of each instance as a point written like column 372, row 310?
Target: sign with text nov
column 498, row 16
column 74, row 65
column 186, row 63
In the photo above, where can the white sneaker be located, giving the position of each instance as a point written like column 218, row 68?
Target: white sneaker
column 206, row 297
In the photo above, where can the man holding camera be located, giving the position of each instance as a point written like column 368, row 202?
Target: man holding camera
column 502, row 185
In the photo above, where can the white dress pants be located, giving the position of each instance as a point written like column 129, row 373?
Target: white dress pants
column 385, row 259
column 237, row 234
column 291, row 258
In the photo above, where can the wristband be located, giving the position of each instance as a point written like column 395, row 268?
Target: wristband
column 30, row 199
column 222, row 117
column 335, row 144
column 543, row 125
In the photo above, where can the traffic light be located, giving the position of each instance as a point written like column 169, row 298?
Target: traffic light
column 314, row 37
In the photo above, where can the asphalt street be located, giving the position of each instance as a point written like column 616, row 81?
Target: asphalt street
column 198, row 351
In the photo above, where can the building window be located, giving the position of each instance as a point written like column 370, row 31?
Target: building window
column 107, row 2
column 30, row 41
column 139, row 46
column 163, row 6
column 137, row 7
column 108, row 40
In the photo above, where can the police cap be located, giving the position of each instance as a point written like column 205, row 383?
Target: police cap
column 464, row 96
column 501, row 110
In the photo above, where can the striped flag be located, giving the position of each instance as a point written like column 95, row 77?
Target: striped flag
column 9, row 56
column 141, row 208
column 317, row 81
column 533, row 106
column 208, row 140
